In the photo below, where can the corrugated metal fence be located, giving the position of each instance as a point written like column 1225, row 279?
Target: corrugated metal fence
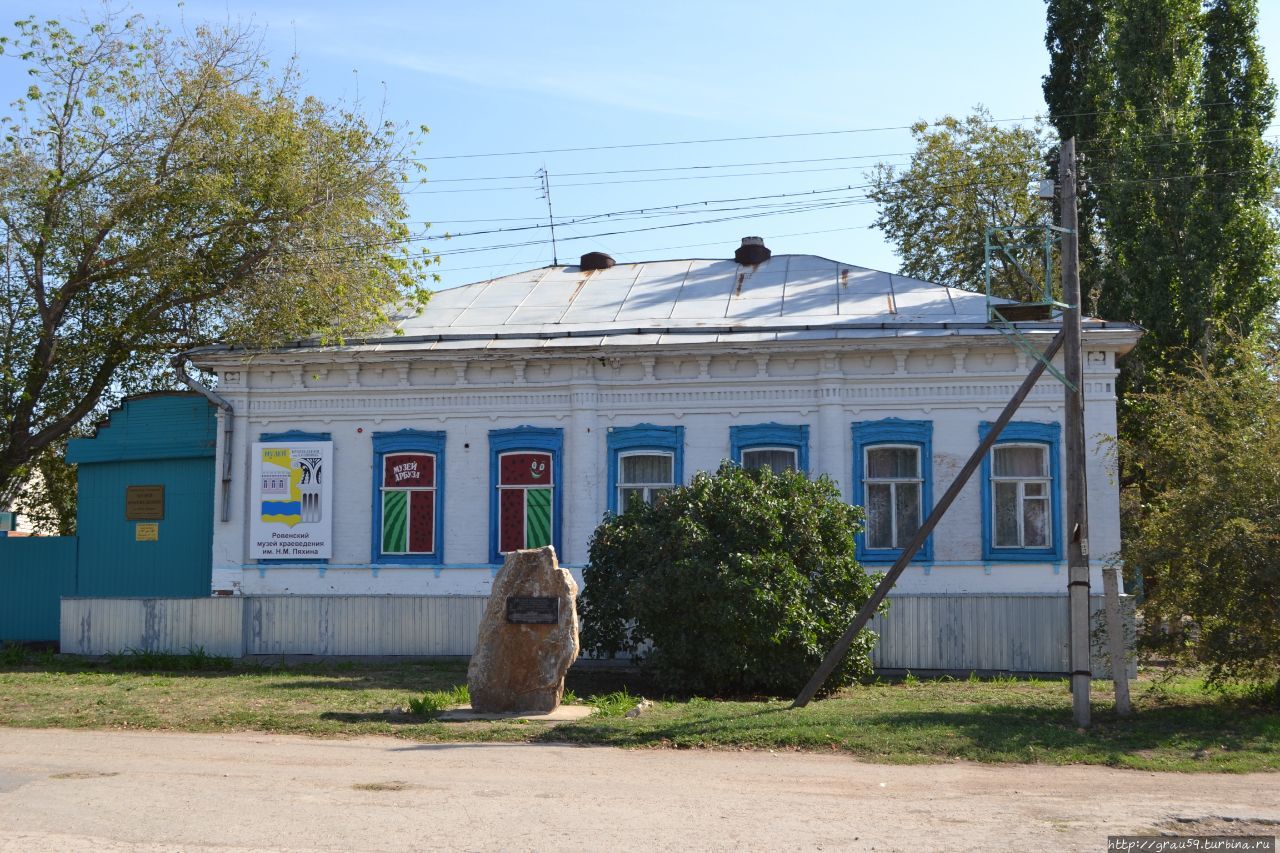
column 960, row 633
column 275, row 625
column 1001, row 633
column 99, row 626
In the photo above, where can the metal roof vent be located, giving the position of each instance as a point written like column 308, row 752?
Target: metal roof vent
column 752, row 251
column 595, row 261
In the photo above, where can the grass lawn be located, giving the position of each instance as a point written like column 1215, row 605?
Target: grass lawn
column 1178, row 724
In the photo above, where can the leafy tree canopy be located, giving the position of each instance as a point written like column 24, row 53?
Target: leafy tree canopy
column 1169, row 101
column 160, row 191
column 740, row 581
column 1202, row 519
column 966, row 175
column 47, row 500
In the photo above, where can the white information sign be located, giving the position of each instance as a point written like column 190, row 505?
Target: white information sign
column 291, row 514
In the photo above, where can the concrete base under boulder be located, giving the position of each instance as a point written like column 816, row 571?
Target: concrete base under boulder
column 560, row 714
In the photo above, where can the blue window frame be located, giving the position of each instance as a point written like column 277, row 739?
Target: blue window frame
column 408, row 497
column 1026, row 483
column 893, row 470
column 649, row 476
column 538, row 443
column 759, row 439
column 293, row 435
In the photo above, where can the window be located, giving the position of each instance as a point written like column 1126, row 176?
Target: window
column 776, row 459
column 892, row 484
column 525, row 477
column 892, row 481
column 408, row 503
column 1020, row 491
column 645, row 461
column 408, row 481
column 525, row 486
column 778, row 447
column 1020, row 498
column 647, row 476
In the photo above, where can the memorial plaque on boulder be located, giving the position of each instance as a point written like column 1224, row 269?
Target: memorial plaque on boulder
column 528, row 636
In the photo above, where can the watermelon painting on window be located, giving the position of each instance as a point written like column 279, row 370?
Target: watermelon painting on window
column 408, row 503
column 525, row 490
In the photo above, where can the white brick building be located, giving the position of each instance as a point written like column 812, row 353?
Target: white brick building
column 527, row 406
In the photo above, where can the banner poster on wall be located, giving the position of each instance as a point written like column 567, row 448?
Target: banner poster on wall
column 291, row 513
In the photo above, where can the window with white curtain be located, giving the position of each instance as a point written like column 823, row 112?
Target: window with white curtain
column 646, row 475
column 1020, row 484
column 776, row 459
column 892, row 485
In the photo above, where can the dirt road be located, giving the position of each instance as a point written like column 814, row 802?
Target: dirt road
column 106, row 791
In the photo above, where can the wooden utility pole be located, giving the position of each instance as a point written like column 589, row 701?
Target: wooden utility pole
column 1077, row 508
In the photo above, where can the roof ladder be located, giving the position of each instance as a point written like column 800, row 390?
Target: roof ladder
column 1001, row 242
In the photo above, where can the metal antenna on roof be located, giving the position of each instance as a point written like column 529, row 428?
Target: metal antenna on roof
column 546, row 193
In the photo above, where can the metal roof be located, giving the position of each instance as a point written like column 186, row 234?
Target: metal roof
column 785, row 298
column 781, row 291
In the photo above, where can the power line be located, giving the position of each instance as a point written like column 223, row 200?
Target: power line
column 684, row 246
column 825, row 204
column 656, row 180
column 1213, row 140
column 818, row 204
column 760, row 137
column 582, row 217
column 1035, row 161
column 683, row 168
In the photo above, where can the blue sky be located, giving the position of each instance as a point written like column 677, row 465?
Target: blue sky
column 506, row 77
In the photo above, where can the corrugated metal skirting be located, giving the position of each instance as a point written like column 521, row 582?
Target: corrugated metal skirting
column 1005, row 633
column 99, row 626
column 274, row 625
column 362, row 624
column 1002, row 633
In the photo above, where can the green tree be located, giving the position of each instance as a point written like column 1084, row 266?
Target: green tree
column 160, row 191
column 965, row 176
column 1235, row 238
column 1169, row 101
column 1149, row 188
column 741, row 581
column 1202, row 518
column 48, row 497
column 1075, row 91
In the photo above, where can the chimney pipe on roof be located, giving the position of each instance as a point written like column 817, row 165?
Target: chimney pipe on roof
column 595, row 261
column 752, row 251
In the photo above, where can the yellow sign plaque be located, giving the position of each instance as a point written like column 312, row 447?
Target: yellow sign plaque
column 146, row 531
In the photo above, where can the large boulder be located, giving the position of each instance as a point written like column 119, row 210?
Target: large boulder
column 521, row 656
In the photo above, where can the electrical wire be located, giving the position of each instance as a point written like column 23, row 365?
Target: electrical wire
column 826, row 205
column 770, row 136
column 1095, row 148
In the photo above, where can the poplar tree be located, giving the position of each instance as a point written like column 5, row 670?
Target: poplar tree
column 1234, row 238
column 1168, row 100
column 1148, row 188
column 1075, row 91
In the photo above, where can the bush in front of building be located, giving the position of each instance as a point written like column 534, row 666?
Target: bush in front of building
column 739, row 582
